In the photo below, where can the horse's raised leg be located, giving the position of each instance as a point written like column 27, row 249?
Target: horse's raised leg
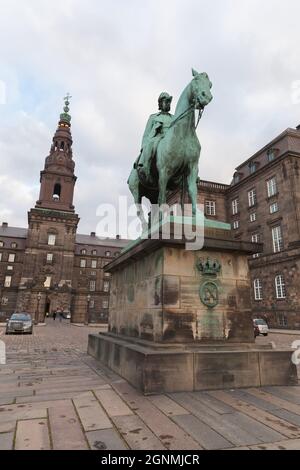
column 192, row 186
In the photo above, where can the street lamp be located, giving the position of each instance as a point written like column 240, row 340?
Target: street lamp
column 39, row 296
column 88, row 298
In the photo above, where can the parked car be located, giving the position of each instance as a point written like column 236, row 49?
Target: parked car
column 260, row 325
column 19, row 323
column 67, row 314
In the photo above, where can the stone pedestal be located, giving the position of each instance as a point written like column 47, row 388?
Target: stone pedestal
column 180, row 320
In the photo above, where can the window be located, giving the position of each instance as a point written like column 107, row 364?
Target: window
column 13, row 245
column 0, row 256
column 4, row 301
column 93, row 273
column 107, row 253
column 270, row 155
column 51, row 239
column 277, row 239
column 56, row 192
column 94, row 263
column 10, row 268
column 106, row 274
column 49, row 257
column 7, row 281
column 252, row 167
column 106, row 286
column 92, row 286
column 280, row 287
column 236, row 224
column 117, row 253
column 274, row 208
column 255, row 238
column 1, row 243
column 236, row 178
column 253, row 217
column 11, row 257
column 92, row 303
column 83, row 252
column 272, row 187
column 210, row 207
column 83, row 263
column 235, row 206
column 104, row 303
column 94, row 252
column 258, row 289
column 282, row 319
column 252, row 197
column 47, row 282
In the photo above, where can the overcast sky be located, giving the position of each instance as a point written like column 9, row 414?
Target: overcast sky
column 115, row 58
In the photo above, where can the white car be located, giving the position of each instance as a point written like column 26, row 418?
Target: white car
column 262, row 326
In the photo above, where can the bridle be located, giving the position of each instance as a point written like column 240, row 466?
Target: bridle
column 186, row 113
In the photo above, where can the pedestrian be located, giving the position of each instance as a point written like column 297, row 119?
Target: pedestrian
column 60, row 316
column 54, row 314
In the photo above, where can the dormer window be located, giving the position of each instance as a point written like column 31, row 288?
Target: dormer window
column 271, row 155
column 252, row 167
column 83, row 252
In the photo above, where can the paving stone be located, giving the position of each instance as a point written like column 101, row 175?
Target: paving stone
column 6, row 441
column 219, row 423
column 254, row 400
column 171, row 435
column 91, row 414
column 213, row 403
column 32, row 435
column 108, row 439
column 167, row 405
column 7, row 426
column 137, row 435
column 112, row 403
column 288, row 416
column 291, row 444
column 66, row 431
column 280, row 425
column 278, row 402
column 253, row 427
column 207, row 437
column 280, row 393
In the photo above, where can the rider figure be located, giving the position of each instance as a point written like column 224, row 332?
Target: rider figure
column 156, row 128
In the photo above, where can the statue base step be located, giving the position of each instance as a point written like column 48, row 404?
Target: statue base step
column 157, row 368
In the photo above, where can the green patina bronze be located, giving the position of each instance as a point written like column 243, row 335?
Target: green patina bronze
column 65, row 116
column 209, row 294
column 209, row 267
column 171, row 149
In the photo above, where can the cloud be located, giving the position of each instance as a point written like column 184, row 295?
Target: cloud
column 115, row 59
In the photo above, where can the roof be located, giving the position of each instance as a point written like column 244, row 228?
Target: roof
column 94, row 240
column 13, row 232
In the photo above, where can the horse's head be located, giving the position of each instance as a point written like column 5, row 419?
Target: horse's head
column 201, row 94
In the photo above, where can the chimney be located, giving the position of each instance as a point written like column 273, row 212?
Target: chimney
column 4, row 224
column 118, row 237
column 298, row 127
column 93, row 234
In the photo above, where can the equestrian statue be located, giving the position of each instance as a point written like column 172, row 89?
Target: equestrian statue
column 170, row 149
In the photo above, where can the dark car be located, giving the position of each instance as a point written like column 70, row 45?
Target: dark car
column 19, row 323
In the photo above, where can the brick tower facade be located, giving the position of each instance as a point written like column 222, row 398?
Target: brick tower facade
column 46, row 282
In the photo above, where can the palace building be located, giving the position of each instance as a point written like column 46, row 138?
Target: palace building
column 48, row 265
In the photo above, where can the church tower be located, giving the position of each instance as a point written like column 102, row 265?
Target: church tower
column 46, row 283
column 57, row 178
